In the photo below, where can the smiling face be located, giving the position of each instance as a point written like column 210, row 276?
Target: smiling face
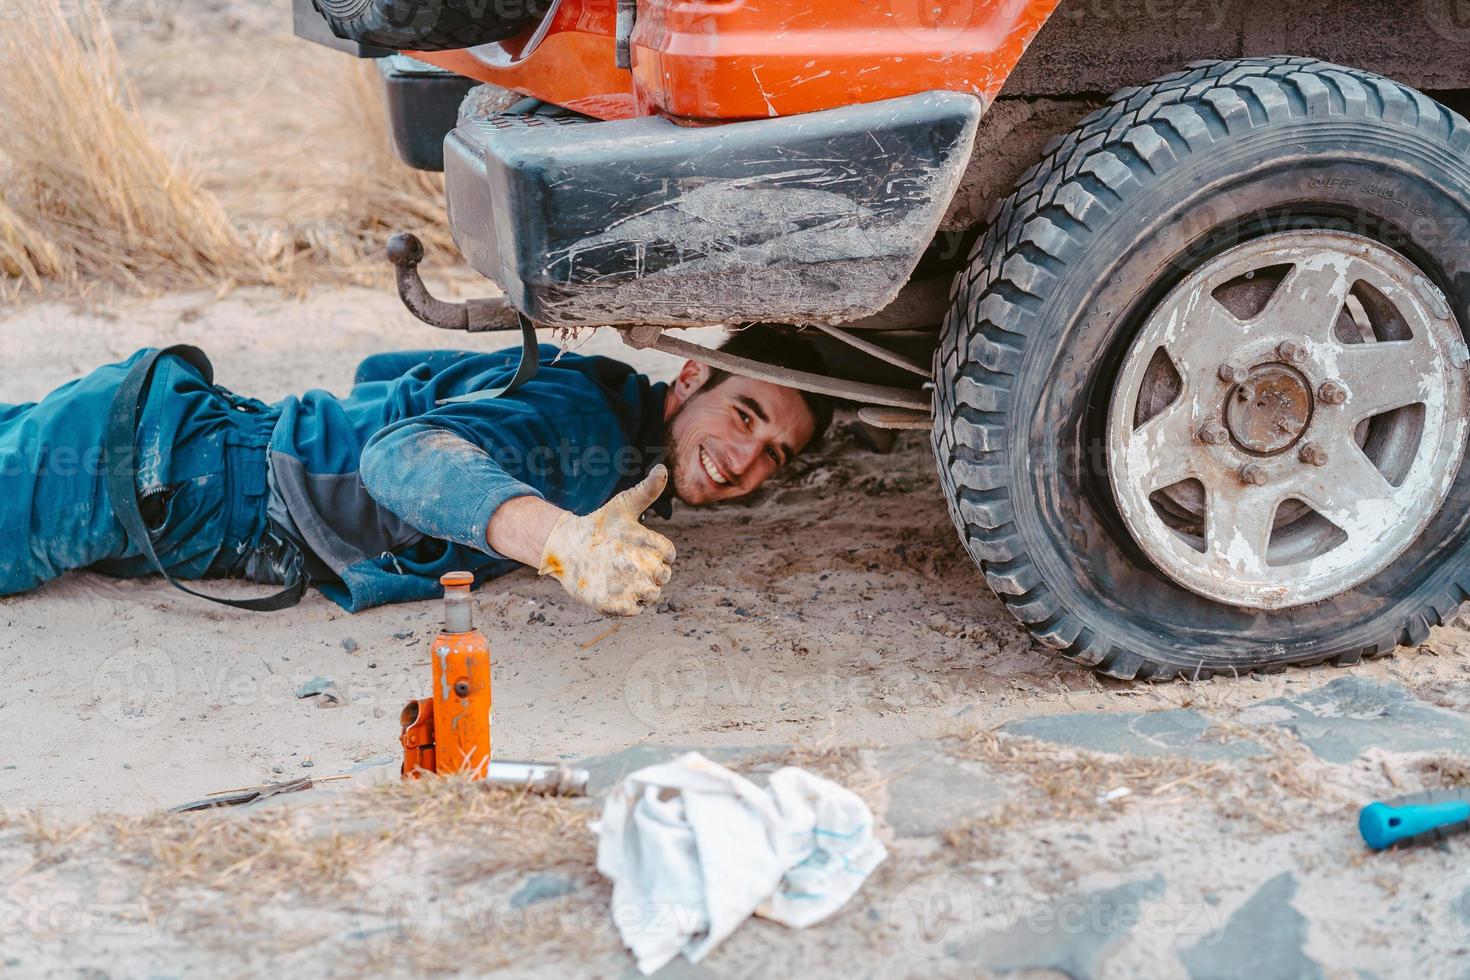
column 725, row 441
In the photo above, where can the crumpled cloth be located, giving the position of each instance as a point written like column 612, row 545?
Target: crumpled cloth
column 694, row 849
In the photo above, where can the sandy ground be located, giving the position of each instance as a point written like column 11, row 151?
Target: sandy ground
column 1038, row 818
column 835, row 612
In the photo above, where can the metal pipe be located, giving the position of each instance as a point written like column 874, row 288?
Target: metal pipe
column 538, row 777
column 868, row 394
column 873, row 350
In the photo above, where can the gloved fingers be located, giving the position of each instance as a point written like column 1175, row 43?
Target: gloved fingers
column 662, row 574
column 640, row 498
column 648, row 594
column 622, row 605
column 649, row 538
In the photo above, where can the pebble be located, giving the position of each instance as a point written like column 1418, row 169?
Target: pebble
column 307, row 763
column 277, row 769
column 741, row 611
column 349, row 644
column 378, row 712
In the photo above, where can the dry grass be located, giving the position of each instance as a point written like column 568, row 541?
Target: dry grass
column 1069, row 785
column 87, row 196
column 321, row 845
column 84, row 191
column 346, row 212
column 303, row 873
column 1445, row 772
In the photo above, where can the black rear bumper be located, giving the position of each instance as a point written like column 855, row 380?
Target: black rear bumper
column 818, row 217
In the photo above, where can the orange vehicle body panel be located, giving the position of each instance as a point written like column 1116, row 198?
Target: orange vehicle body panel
column 715, row 61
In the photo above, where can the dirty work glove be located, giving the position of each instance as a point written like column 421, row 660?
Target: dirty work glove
column 609, row 560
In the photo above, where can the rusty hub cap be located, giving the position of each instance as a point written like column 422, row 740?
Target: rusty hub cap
column 1269, row 412
column 1335, row 368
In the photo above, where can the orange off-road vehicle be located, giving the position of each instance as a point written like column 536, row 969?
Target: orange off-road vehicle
column 1193, row 354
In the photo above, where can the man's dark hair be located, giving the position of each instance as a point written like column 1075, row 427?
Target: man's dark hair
column 782, row 347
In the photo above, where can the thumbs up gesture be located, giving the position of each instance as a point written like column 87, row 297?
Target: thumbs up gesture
column 608, row 559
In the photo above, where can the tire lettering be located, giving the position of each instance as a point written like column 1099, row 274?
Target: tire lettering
column 1391, row 194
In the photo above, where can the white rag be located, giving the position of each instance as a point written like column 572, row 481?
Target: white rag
column 693, row 849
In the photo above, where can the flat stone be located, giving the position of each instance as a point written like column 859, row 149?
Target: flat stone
column 540, row 888
column 327, row 688
column 677, row 969
column 1072, row 936
column 1266, row 937
column 928, row 791
column 1342, row 718
column 1151, row 733
column 605, row 771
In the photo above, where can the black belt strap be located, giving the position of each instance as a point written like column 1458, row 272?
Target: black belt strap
column 525, row 370
column 120, row 458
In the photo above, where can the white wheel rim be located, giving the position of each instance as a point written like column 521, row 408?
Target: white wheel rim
column 1364, row 466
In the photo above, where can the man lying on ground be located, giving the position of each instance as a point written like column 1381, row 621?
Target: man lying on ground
column 148, row 466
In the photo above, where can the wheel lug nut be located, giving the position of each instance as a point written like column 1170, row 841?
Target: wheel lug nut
column 1312, row 453
column 1253, row 474
column 1245, row 392
column 1332, row 393
column 1231, row 373
column 1213, row 434
column 1291, row 352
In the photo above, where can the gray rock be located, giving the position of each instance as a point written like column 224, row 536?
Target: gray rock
column 540, row 888
column 678, row 969
column 325, row 690
column 1340, row 719
column 1264, row 938
column 1152, row 733
column 929, row 792
column 1073, row 936
column 606, row 770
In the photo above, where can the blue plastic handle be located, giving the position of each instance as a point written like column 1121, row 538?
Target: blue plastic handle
column 1382, row 824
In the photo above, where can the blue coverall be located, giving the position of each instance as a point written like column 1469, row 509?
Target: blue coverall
column 382, row 491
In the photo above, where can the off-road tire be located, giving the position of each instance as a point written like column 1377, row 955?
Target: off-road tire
column 1155, row 183
column 429, row 25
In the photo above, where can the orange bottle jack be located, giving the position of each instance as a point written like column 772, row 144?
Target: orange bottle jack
column 449, row 732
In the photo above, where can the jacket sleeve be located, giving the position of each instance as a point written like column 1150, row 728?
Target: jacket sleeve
column 436, row 473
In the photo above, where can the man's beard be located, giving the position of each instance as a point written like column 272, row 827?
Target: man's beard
column 673, row 458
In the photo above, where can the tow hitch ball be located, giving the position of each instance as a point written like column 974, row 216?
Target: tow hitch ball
column 405, row 251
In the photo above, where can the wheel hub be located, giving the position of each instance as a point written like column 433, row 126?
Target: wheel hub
column 1268, row 413
column 1288, row 420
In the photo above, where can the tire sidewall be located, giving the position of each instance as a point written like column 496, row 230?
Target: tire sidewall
column 1387, row 181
